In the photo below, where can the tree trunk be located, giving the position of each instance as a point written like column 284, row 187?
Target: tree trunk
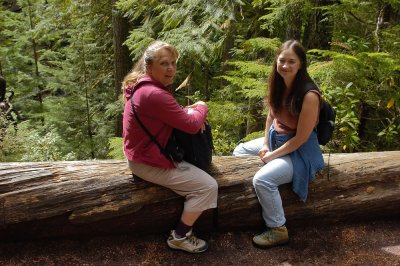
column 53, row 199
column 319, row 27
column 122, row 60
column 294, row 24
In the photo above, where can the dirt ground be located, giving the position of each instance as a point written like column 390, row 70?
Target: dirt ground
column 372, row 243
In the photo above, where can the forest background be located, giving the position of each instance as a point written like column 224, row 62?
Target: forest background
column 65, row 60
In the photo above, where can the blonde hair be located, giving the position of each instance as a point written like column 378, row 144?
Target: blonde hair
column 149, row 56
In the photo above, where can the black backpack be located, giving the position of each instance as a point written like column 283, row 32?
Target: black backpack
column 327, row 116
column 326, row 124
column 197, row 147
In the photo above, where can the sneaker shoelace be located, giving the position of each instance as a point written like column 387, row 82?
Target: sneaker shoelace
column 193, row 240
column 270, row 235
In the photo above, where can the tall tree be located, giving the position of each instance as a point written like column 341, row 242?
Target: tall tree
column 319, row 25
column 122, row 60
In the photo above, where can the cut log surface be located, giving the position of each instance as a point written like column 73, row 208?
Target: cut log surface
column 57, row 199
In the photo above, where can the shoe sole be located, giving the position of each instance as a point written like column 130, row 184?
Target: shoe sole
column 173, row 247
column 271, row 246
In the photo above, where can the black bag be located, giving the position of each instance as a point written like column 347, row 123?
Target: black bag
column 326, row 124
column 197, row 147
column 327, row 116
column 172, row 150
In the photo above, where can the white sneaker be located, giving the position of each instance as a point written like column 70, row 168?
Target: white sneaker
column 190, row 243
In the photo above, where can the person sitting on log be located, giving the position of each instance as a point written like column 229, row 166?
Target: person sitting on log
column 160, row 113
column 289, row 149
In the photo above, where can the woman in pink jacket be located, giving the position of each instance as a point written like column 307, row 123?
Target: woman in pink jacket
column 160, row 113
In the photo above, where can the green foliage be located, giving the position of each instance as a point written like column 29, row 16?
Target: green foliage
column 29, row 144
column 246, row 79
column 45, row 145
column 223, row 144
column 194, row 26
column 57, row 57
column 280, row 15
column 259, row 48
column 360, row 86
column 391, row 40
column 116, row 151
column 62, row 51
column 10, row 144
column 347, row 119
column 197, row 28
column 227, row 114
column 254, row 135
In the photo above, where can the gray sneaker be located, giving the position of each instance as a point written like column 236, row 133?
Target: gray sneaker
column 190, row 243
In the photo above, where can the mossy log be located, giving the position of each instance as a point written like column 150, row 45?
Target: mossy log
column 76, row 198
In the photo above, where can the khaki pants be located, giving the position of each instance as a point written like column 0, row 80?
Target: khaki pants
column 199, row 188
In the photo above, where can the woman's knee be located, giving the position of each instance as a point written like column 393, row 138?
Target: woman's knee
column 208, row 192
column 213, row 186
column 251, row 147
column 258, row 181
column 238, row 151
column 207, row 183
column 264, row 179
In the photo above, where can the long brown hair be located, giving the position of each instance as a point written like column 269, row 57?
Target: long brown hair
column 276, row 84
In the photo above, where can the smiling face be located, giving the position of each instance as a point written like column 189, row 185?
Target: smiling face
column 288, row 64
column 163, row 68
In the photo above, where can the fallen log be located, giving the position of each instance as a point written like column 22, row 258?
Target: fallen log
column 55, row 199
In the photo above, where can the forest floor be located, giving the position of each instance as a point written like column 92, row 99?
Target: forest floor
column 369, row 243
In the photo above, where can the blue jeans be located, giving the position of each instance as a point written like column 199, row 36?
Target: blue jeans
column 266, row 181
column 251, row 147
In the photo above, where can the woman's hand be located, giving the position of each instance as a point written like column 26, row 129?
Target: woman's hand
column 196, row 104
column 203, row 127
column 263, row 151
column 267, row 157
column 190, row 109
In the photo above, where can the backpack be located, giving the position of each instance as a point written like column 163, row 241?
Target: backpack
column 327, row 116
column 193, row 148
column 197, row 148
column 326, row 124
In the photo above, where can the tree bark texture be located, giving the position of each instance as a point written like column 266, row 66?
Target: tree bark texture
column 56, row 199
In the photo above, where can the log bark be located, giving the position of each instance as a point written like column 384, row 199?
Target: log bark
column 58, row 199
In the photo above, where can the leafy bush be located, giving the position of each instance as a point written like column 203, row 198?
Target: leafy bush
column 10, row 143
column 44, row 145
column 116, row 151
column 361, row 87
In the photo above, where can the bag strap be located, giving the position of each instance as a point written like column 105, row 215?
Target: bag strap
column 152, row 138
column 310, row 86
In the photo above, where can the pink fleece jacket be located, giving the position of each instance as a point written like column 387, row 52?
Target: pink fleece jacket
column 160, row 113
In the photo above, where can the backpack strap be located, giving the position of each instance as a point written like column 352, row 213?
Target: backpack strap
column 152, row 138
column 310, row 86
